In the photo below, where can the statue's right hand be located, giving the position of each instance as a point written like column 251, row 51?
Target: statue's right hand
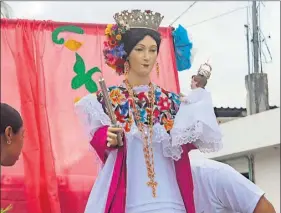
column 112, row 136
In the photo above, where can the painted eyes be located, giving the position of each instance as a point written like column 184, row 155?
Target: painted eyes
column 139, row 50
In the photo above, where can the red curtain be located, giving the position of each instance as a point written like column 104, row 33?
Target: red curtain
column 56, row 170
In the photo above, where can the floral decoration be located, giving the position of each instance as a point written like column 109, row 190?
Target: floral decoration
column 165, row 108
column 82, row 77
column 114, row 52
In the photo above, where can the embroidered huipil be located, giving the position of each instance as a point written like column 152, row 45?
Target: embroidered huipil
column 121, row 184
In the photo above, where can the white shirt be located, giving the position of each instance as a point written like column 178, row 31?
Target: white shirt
column 218, row 188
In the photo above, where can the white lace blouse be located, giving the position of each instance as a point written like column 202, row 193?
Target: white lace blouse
column 166, row 149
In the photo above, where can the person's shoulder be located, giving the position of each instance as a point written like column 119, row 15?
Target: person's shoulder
column 206, row 164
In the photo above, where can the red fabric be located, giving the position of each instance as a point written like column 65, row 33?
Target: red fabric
column 99, row 143
column 36, row 79
column 184, row 178
column 116, row 199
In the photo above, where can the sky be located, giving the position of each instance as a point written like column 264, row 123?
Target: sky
column 221, row 40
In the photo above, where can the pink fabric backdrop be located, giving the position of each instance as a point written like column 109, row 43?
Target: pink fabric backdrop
column 56, row 169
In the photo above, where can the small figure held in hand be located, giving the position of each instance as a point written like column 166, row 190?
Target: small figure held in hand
column 199, row 123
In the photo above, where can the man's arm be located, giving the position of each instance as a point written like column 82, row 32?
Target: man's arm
column 264, row 206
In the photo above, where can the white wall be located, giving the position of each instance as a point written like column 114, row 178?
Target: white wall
column 267, row 174
column 249, row 133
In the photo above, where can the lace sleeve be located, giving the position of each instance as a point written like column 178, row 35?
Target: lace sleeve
column 196, row 123
column 91, row 114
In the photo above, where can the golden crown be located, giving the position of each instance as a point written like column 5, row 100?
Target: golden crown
column 205, row 70
column 138, row 19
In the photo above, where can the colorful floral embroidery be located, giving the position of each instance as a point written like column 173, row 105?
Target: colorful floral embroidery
column 165, row 108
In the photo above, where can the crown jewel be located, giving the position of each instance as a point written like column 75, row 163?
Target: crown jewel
column 205, row 70
column 138, row 19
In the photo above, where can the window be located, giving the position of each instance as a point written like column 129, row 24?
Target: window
column 245, row 174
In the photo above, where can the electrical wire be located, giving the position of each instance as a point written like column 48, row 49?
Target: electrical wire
column 183, row 13
column 217, row 16
column 262, row 38
column 249, row 17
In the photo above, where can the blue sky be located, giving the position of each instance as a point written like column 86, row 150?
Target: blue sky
column 222, row 40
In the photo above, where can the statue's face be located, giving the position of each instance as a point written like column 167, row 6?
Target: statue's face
column 193, row 83
column 143, row 57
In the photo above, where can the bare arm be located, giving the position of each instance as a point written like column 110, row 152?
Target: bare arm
column 264, row 206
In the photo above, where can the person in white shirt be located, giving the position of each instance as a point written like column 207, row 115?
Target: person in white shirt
column 218, row 188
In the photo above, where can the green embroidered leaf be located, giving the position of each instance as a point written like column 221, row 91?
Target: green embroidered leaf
column 91, row 86
column 78, row 81
column 79, row 66
column 94, row 70
column 69, row 28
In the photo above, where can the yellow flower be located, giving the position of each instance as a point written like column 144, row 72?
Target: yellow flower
column 107, row 31
column 168, row 123
column 118, row 37
column 112, row 66
column 77, row 99
column 116, row 96
column 72, row 45
column 109, row 26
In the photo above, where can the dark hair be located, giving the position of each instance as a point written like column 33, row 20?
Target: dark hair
column 135, row 35
column 10, row 117
column 201, row 80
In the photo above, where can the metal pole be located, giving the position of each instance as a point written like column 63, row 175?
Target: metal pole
column 251, row 164
column 248, row 48
column 255, row 36
column 248, row 82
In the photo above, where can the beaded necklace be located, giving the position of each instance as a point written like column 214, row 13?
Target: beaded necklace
column 147, row 138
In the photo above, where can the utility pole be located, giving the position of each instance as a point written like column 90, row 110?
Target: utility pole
column 249, row 110
column 248, row 48
column 256, row 82
column 255, row 37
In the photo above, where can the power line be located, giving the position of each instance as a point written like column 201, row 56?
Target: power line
column 183, row 13
column 263, row 38
column 218, row 16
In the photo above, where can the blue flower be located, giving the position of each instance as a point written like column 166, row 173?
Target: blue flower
column 142, row 115
column 124, row 108
column 176, row 99
column 157, row 93
column 118, row 51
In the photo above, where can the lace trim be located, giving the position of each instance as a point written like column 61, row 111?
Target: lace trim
column 159, row 133
column 173, row 152
column 161, row 137
column 194, row 134
column 92, row 115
